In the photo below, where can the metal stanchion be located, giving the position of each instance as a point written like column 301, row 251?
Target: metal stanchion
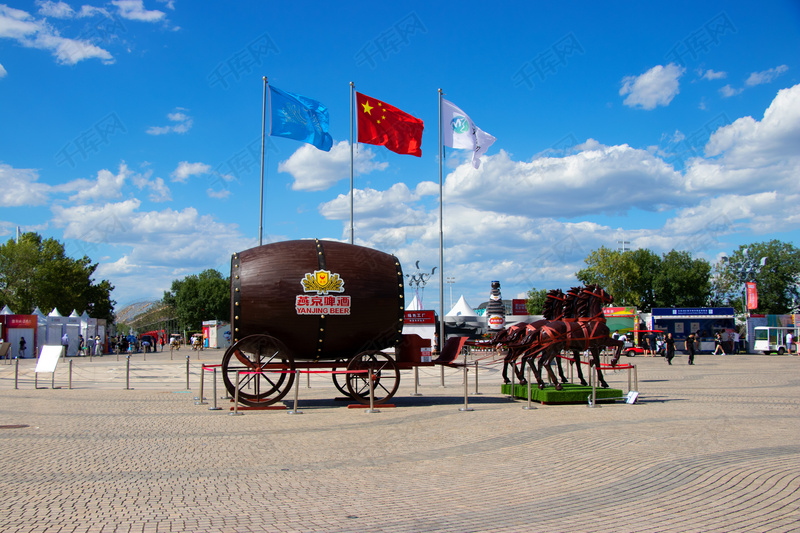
column 629, row 377
column 513, row 379
column 16, row 373
column 372, row 392
column 187, row 373
column 442, row 368
column 296, row 411
column 235, row 411
column 529, row 406
column 70, row 375
column 201, row 399
column 128, row 372
column 170, row 351
column 308, row 380
column 593, row 383
column 215, row 408
column 476, row 393
column 416, row 382
column 635, row 378
column 466, row 394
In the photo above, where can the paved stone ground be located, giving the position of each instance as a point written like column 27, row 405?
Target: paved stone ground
column 710, row 447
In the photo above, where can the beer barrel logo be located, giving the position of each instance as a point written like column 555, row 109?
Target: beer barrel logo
column 322, row 282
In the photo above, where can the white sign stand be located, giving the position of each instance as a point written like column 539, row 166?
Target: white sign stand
column 47, row 362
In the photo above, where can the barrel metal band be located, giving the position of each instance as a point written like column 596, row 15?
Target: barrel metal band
column 236, row 295
column 321, row 327
column 401, row 315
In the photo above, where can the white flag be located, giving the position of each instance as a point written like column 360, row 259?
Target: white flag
column 460, row 132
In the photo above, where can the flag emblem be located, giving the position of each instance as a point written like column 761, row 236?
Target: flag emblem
column 322, row 282
column 460, row 124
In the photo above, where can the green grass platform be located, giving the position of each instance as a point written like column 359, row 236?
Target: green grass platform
column 571, row 393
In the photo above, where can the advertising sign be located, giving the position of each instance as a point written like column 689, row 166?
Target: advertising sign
column 518, row 307
column 419, row 317
column 752, row 295
column 322, row 283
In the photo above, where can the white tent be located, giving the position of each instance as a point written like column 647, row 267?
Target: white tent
column 414, row 305
column 54, row 312
column 6, row 311
column 462, row 308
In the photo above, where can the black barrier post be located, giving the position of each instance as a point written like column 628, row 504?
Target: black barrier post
column 466, row 394
column 201, row 399
column 215, row 408
column 187, row 373
column 235, row 411
column 296, row 411
column 529, row 406
column 128, row 372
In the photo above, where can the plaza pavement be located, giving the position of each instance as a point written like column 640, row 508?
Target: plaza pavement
column 709, row 447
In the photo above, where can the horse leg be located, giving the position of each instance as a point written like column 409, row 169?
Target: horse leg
column 505, row 372
column 561, row 370
column 578, row 370
column 596, row 361
column 550, row 374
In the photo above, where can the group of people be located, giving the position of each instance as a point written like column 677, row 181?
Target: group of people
column 92, row 346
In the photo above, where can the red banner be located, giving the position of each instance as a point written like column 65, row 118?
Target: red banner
column 752, row 295
column 420, row 317
column 518, row 307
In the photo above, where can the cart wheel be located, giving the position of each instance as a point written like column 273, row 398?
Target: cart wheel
column 382, row 367
column 258, row 353
column 339, row 380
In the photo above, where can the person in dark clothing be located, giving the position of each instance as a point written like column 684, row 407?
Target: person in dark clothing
column 690, row 347
column 670, row 342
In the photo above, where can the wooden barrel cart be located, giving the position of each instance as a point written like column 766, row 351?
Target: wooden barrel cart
column 312, row 304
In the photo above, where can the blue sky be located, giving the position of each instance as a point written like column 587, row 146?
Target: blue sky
column 130, row 130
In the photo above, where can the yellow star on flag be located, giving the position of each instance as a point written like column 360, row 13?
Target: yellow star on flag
column 367, row 108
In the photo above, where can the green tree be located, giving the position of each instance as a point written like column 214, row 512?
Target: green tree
column 36, row 272
column 535, row 301
column 195, row 298
column 627, row 276
column 775, row 281
column 643, row 279
column 681, row 281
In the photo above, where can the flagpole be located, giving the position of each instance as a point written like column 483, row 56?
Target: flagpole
column 441, row 235
column 263, row 131
column 352, row 87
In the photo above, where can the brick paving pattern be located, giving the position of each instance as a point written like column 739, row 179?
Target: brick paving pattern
column 710, row 447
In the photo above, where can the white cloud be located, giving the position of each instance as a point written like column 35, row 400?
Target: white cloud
column 611, row 179
column 711, row 75
column 60, row 10
column 186, row 170
column 219, row 194
column 656, row 87
column 315, row 170
column 23, row 28
column 3, row 72
column 765, row 76
column 183, row 124
column 157, row 189
column 134, row 10
column 19, row 187
column 727, row 91
column 106, row 185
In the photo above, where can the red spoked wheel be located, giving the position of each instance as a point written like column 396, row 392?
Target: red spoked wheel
column 269, row 358
column 379, row 367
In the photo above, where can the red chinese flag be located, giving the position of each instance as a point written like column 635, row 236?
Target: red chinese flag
column 382, row 124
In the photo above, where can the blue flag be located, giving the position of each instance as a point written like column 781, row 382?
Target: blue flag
column 300, row 118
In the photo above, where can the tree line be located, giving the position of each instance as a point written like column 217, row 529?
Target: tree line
column 36, row 272
column 643, row 279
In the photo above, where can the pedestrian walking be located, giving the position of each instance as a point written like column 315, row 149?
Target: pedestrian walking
column 22, row 345
column 718, row 343
column 670, row 342
column 65, row 343
column 690, row 347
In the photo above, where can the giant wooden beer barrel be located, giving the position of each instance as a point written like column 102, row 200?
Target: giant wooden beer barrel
column 322, row 299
